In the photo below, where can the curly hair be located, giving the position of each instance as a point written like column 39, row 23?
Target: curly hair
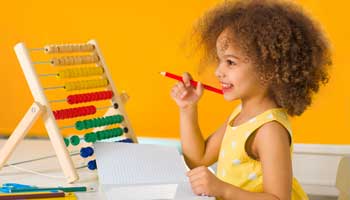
column 288, row 48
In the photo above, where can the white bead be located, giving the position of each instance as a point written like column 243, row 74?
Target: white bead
column 223, row 173
column 252, row 176
column 236, row 162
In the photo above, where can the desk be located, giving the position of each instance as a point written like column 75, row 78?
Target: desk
column 29, row 149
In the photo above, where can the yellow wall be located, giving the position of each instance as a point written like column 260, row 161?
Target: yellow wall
column 141, row 38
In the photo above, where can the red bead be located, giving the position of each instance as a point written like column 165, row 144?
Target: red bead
column 74, row 112
column 87, row 97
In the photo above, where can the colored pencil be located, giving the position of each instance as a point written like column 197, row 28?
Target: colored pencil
column 193, row 83
column 32, row 195
column 63, row 189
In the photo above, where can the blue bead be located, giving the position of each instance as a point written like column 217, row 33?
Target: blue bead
column 90, row 150
column 127, row 140
column 84, row 152
column 92, row 165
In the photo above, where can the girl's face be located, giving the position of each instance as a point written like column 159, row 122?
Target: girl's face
column 235, row 72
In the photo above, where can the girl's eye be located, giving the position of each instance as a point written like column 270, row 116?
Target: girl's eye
column 230, row 62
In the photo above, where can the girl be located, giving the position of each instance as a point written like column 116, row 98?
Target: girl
column 272, row 57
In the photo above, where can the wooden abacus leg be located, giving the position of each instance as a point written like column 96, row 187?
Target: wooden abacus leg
column 20, row 132
column 48, row 118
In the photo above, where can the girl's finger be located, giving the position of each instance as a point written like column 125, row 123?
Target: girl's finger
column 183, row 94
column 173, row 93
column 196, row 177
column 197, row 182
column 181, row 90
column 199, row 89
column 196, row 170
column 180, row 85
column 198, row 190
column 186, row 78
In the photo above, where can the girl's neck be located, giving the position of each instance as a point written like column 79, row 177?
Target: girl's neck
column 254, row 106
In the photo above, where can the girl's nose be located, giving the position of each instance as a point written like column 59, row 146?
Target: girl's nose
column 219, row 73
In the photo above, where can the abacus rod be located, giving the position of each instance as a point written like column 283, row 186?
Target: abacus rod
column 42, row 62
column 69, row 126
column 45, row 75
column 37, row 159
column 104, row 107
column 64, row 100
column 37, row 49
column 81, row 167
column 58, row 100
column 73, row 126
column 78, row 85
column 66, row 127
column 92, row 93
column 83, row 139
column 53, row 87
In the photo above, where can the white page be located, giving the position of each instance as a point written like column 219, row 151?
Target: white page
column 141, row 192
column 141, row 164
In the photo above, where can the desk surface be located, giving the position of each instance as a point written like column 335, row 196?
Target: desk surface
column 30, row 149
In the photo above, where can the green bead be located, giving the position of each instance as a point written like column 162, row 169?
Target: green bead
column 79, row 125
column 75, row 140
column 97, row 122
column 119, row 131
column 105, row 135
column 114, row 119
column 118, row 119
column 87, row 137
column 109, row 134
column 98, row 134
column 107, row 121
column 114, row 133
column 66, row 141
column 94, row 137
column 89, row 124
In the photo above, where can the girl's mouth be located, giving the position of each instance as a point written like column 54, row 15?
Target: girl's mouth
column 226, row 87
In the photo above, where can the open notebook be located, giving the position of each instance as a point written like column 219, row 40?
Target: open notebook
column 142, row 171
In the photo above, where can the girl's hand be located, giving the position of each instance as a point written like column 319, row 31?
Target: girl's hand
column 204, row 182
column 184, row 94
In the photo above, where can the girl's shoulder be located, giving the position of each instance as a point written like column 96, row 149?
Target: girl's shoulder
column 277, row 116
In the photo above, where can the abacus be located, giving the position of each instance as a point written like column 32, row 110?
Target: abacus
column 80, row 67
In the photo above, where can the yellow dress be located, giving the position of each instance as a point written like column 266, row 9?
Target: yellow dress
column 234, row 164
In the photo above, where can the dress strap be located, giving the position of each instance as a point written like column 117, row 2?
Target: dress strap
column 234, row 113
column 277, row 114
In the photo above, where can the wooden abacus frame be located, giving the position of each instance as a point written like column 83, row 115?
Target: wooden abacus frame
column 42, row 107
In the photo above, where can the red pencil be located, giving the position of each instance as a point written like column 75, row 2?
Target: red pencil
column 193, row 83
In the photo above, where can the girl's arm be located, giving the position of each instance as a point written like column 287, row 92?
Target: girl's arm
column 271, row 146
column 196, row 150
